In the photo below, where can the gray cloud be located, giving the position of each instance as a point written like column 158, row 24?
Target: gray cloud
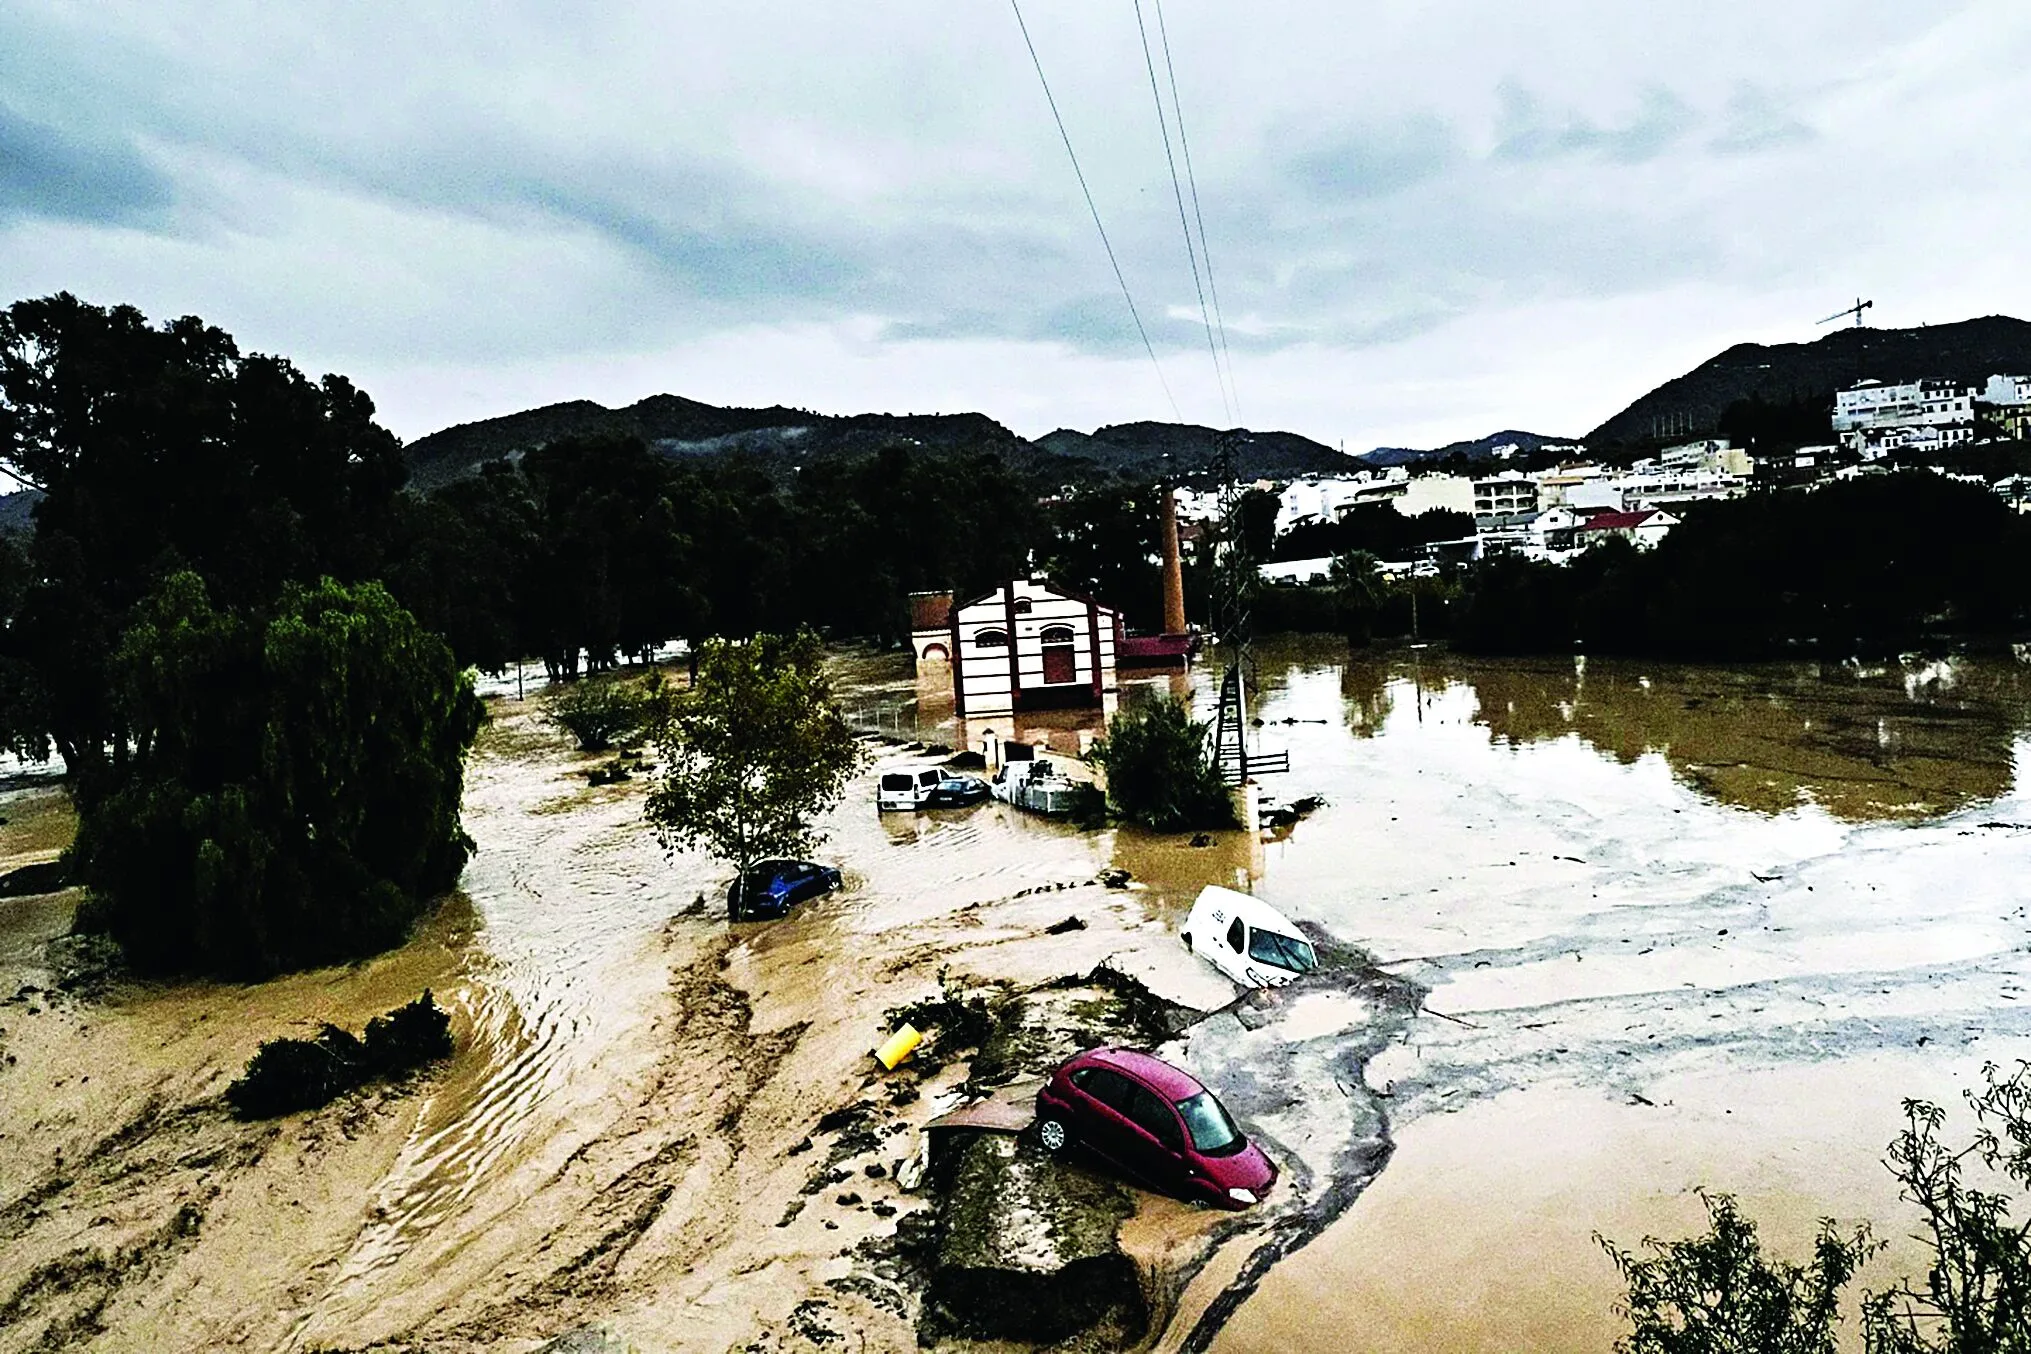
column 1758, row 120
column 409, row 188
column 1527, row 130
column 1376, row 163
column 46, row 174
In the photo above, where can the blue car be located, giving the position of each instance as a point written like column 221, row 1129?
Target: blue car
column 771, row 888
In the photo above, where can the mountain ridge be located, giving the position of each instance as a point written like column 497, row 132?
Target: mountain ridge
column 678, row 427
column 1691, row 405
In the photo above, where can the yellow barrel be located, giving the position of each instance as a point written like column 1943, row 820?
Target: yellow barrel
column 900, row 1045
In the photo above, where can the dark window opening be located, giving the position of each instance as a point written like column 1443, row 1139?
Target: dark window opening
column 1061, row 663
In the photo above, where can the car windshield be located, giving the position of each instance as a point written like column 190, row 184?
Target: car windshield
column 1268, row 947
column 898, row 782
column 1213, row 1133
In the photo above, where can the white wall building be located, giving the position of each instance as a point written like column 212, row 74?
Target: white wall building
column 2006, row 391
column 1426, row 493
column 1327, row 499
column 1505, row 499
column 1027, row 645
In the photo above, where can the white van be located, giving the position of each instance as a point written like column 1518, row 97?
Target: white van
column 906, row 790
column 1247, row 939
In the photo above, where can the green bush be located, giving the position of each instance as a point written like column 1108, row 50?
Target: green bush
column 1719, row 1293
column 604, row 710
column 1160, row 770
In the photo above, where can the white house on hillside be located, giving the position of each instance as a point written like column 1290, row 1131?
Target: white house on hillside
column 1924, row 415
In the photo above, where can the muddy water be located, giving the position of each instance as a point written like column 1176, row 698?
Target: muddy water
column 1685, row 926
column 1690, row 927
column 567, row 901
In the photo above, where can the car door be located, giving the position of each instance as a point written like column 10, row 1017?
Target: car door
column 805, row 881
column 1103, row 1122
column 1159, row 1141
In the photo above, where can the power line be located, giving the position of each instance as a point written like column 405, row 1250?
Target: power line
column 1205, row 250
column 1178, row 192
column 1147, row 346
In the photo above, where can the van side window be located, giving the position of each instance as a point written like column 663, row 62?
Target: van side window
column 1234, row 935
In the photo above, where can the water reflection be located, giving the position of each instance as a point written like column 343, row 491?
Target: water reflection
column 1906, row 740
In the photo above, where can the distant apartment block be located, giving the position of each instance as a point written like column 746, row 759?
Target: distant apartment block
column 1506, row 499
column 1873, row 418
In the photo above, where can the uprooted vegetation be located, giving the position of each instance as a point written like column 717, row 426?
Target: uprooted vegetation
column 1014, row 1034
column 287, row 1075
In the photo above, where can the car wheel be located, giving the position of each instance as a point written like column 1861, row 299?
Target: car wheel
column 1053, row 1134
column 1186, row 936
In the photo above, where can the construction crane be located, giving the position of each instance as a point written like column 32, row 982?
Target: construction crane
column 1855, row 310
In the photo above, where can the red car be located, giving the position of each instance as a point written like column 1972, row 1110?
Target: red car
column 1153, row 1122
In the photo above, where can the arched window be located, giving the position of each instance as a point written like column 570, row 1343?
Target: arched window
column 936, row 653
column 1022, row 604
column 990, row 639
column 1061, row 663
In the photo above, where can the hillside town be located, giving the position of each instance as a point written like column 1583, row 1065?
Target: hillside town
column 1554, row 513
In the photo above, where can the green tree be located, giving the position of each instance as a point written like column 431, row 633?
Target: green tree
column 158, row 449
column 752, row 752
column 1160, row 770
column 291, row 786
column 1976, row 1298
column 1106, row 540
column 605, row 708
column 1719, row 1293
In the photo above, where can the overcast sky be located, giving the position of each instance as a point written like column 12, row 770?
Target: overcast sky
column 1427, row 221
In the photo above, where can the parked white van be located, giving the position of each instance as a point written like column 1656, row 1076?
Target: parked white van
column 907, row 790
column 1247, row 939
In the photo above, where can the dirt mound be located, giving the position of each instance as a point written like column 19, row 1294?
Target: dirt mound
column 1026, row 1249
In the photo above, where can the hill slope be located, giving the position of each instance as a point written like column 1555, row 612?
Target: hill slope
column 1480, row 449
column 1691, row 405
column 679, row 427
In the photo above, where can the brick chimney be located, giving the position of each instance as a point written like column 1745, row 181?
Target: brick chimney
column 1174, row 568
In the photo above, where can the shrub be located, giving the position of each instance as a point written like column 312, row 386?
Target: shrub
column 287, row 1075
column 1160, row 770
column 602, row 711
column 1718, row 1293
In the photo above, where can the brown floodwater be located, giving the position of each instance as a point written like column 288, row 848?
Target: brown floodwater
column 1686, row 926
column 1694, row 927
